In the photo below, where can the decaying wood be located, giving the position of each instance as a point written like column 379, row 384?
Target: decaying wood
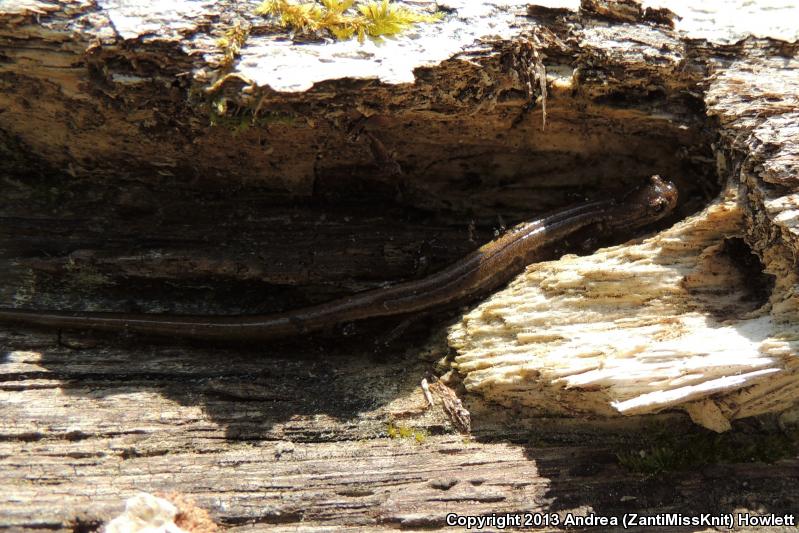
column 671, row 322
column 124, row 149
column 676, row 321
column 280, row 439
column 141, row 173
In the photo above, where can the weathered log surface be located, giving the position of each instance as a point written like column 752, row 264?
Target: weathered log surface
column 139, row 173
column 271, row 439
column 680, row 320
column 673, row 322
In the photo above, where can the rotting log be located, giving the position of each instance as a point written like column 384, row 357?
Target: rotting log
column 701, row 317
column 673, row 322
column 140, row 173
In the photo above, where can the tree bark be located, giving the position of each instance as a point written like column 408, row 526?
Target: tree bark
column 144, row 172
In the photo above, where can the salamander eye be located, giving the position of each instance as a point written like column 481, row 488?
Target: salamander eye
column 658, row 206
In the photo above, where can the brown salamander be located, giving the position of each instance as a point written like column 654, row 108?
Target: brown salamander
column 486, row 268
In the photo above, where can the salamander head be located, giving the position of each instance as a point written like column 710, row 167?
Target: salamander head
column 645, row 204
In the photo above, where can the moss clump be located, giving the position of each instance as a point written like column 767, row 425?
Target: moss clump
column 666, row 452
column 239, row 119
column 343, row 19
column 230, row 44
column 405, row 432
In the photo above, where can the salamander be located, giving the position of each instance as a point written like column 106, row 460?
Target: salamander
column 485, row 269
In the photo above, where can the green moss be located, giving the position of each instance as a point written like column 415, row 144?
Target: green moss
column 240, row 119
column 230, row 44
column 276, row 117
column 665, row 452
column 406, row 432
column 343, row 19
column 236, row 121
